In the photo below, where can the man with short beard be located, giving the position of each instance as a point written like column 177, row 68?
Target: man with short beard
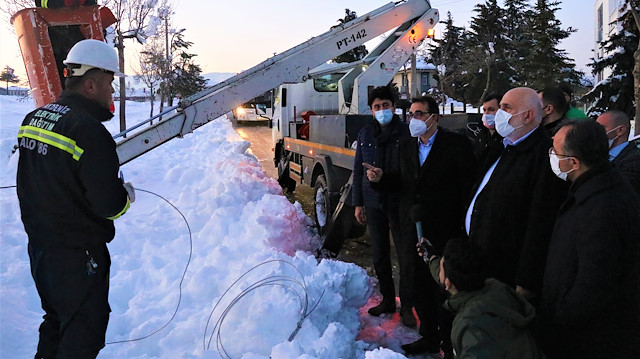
column 590, row 304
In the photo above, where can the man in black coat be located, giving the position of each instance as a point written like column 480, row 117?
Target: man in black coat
column 590, row 304
column 624, row 155
column 492, row 145
column 554, row 108
column 378, row 145
column 514, row 202
column 70, row 194
column 437, row 168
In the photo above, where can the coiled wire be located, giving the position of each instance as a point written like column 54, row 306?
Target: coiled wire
column 293, row 284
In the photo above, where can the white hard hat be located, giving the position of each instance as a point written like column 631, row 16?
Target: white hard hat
column 90, row 54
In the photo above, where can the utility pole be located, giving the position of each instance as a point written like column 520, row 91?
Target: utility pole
column 413, row 89
column 164, row 14
column 636, row 71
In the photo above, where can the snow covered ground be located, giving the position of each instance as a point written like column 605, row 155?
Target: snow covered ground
column 240, row 223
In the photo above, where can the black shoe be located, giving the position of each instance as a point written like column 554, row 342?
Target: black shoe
column 383, row 307
column 408, row 319
column 422, row 345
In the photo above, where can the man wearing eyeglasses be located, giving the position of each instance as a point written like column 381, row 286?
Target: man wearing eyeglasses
column 514, row 201
column 437, row 168
column 590, row 306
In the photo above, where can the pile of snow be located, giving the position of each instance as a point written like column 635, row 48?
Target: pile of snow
column 238, row 219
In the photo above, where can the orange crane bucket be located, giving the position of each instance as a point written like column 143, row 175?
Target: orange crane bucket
column 45, row 37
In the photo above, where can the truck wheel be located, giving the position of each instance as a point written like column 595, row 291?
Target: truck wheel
column 322, row 203
column 286, row 182
column 283, row 171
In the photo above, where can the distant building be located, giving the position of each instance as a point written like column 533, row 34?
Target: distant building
column 425, row 73
column 14, row 91
column 606, row 13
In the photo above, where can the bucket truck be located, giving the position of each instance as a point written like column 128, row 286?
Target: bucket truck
column 325, row 158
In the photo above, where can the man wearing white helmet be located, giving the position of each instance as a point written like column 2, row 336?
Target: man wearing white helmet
column 69, row 194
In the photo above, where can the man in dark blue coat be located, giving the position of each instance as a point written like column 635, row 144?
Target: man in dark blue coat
column 591, row 294
column 378, row 145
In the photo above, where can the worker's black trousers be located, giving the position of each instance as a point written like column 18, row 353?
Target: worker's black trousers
column 75, row 301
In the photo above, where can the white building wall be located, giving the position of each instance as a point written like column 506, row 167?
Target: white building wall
column 605, row 13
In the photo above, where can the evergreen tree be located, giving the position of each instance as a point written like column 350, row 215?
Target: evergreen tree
column 486, row 66
column 7, row 76
column 185, row 78
column 546, row 64
column 355, row 54
column 447, row 55
column 515, row 21
column 617, row 91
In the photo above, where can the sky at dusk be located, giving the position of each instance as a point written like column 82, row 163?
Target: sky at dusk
column 235, row 36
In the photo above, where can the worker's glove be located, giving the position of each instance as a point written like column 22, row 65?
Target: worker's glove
column 131, row 192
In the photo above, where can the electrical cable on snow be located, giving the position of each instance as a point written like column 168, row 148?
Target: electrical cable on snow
column 181, row 280
column 273, row 280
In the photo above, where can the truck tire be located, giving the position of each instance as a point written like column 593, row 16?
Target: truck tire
column 322, row 206
column 282, row 164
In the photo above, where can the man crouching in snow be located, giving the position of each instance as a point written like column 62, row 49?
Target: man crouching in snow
column 491, row 319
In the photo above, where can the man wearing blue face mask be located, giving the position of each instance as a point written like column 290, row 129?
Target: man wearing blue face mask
column 492, row 141
column 490, row 105
column 590, row 305
column 437, row 168
column 512, row 211
column 377, row 146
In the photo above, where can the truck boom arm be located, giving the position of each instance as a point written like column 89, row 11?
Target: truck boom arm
column 411, row 18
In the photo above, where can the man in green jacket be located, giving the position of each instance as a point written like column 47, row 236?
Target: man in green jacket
column 491, row 319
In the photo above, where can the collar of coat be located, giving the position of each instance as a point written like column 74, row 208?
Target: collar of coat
column 94, row 108
column 590, row 182
column 391, row 131
column 537, row 135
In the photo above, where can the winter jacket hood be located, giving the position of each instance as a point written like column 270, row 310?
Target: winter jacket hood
column 495, row 297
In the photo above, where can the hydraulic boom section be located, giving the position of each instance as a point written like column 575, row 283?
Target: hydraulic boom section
column 411, row 19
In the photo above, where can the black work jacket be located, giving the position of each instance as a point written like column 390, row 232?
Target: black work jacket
column 67, row 180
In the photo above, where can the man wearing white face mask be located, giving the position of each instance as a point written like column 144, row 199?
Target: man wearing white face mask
column 377, row 146
column 624, row 155
column 511, row 212
column 437, row 168
column 590, row 306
